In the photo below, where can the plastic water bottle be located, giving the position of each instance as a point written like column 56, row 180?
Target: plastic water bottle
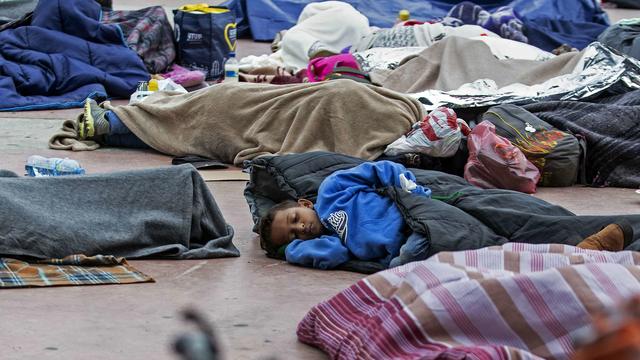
column 231, row 69
column 41, row 166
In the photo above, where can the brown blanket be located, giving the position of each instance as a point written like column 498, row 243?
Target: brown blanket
column 455, row 61
column 237, row 122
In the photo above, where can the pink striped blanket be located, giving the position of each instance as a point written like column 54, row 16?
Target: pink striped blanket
column 518, row 301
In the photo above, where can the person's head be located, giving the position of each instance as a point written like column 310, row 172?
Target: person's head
column 287, row 221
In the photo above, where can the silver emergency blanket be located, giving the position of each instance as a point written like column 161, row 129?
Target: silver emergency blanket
column 599, row 69
column 385, row 58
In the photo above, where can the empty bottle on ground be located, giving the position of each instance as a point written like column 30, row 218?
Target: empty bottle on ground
column 231, row 68
column 42, row 166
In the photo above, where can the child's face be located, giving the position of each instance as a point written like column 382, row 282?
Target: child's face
column 299, row 222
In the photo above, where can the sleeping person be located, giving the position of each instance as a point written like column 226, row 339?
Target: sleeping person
column 165, row 212
column 238, row 122
column 104, row 126
column 353, row 220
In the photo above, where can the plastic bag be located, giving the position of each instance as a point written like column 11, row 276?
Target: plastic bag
column 496, row 163
column 438, row 135
column 162, row 85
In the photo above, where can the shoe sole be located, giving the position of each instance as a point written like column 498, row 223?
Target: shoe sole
column 85, row 126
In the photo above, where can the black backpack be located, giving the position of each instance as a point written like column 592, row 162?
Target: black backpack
column 557, row 154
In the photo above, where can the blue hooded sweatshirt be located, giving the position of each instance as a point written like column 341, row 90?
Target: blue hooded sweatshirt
column 364, row 224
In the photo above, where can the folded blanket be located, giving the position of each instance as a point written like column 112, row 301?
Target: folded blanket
column 237, row 122
column 509, row 302
column 455, row 61
column 71, row 270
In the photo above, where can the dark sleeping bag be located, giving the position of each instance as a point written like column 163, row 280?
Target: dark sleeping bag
column 64, row 57
column 459, row 216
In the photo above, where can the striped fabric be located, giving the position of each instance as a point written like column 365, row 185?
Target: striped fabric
column 71, row 270
column 517, row 301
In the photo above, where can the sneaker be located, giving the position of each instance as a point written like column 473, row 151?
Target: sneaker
column 613, row 237
column 92, row 122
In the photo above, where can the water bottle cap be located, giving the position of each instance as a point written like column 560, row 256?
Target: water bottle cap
column 232, row 54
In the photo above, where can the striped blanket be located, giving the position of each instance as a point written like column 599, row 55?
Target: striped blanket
column 518, row 301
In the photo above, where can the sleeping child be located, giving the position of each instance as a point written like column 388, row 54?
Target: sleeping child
column 351, row 219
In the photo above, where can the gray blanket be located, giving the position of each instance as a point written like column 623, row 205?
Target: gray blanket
column 455, row 61
column 165, row 212
column 237, row 122
column 14, row 9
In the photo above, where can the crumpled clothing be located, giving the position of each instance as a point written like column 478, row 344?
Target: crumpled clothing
column 504, row 21
column 148, row 32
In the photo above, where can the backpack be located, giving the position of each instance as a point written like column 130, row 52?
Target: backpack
column 557, row 154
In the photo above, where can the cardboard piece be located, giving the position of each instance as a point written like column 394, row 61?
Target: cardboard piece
column 232, row 174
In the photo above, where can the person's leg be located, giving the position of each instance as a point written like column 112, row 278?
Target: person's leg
column 527, row 219
column 97, row 123
column 416, row 248
column 613, row 237
column 119, row 134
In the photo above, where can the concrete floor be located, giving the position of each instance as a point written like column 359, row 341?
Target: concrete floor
column 254, row 302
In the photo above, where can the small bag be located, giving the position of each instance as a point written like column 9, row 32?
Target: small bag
column 205, row 35
column 496, row 163
column 556, row 153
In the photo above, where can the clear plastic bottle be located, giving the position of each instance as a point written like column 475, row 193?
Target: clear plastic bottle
column 231, row 69
column 41, row 166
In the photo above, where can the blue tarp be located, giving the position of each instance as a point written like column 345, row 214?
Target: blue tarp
column 548, row 34
column 267, row 17
column 239, row 8
column 65, row 56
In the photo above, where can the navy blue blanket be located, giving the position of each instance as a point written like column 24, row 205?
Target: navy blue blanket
column 65, row 56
